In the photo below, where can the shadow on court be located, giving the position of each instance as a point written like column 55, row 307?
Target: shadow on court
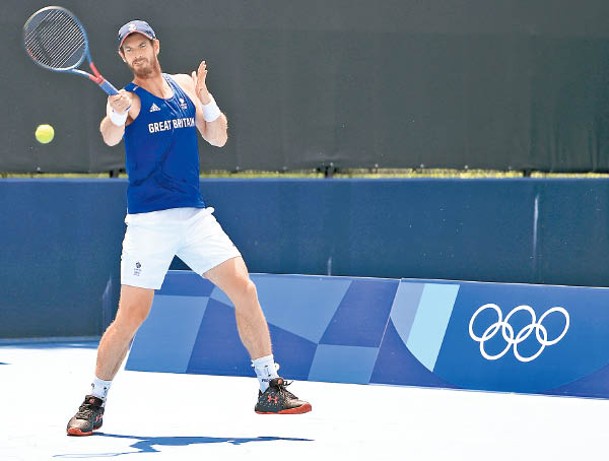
column 145, row 444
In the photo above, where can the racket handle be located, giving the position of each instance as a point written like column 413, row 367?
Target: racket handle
column 108, row 87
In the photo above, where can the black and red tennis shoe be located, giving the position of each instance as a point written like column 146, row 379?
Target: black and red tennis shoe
column 88, row 418
column 278, row 400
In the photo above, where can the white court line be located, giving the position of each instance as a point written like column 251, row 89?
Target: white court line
column 157, row 416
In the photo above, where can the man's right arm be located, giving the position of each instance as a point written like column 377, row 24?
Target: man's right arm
column 118, row 109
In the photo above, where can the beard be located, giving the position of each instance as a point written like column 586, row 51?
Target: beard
column 147, row 69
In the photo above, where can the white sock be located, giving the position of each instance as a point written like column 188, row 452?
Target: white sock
column 100, row 388
column 266, row 369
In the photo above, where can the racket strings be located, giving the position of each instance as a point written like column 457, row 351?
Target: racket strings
column 55, row 40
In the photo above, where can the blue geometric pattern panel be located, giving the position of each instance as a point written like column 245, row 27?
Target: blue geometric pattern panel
column 343, row 364
column 361, row 316
column 451, row 334
column 173, row 330
column 302, row 305
column 218, row 349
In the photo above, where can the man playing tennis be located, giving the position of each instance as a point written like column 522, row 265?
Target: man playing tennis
column 158, row 116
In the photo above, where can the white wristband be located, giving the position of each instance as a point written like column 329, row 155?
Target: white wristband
column 118, row 119
column 211, row 111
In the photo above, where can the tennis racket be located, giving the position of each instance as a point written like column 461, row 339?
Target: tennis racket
column 55, row 39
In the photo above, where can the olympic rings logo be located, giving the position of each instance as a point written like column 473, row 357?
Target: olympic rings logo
column 514, row 339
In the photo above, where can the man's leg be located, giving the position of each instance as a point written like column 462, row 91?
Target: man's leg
column 232, row 278
column 133, row 308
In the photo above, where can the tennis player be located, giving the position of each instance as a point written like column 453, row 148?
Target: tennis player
column 158, row 115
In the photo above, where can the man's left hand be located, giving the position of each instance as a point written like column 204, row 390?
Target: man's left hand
column 198, row 78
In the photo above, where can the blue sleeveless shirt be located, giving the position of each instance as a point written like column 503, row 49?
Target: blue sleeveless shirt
column 162, row 156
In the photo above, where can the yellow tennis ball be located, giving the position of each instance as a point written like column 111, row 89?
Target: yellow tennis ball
column 45, row 134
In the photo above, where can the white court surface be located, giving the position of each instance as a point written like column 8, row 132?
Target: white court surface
column 158, row 416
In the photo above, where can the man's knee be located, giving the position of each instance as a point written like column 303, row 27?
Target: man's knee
column 130, row 316
column 243, row 292
column 127, row 324
column 249, row 289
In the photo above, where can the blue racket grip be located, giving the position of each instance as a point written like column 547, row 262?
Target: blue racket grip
column 108, row 88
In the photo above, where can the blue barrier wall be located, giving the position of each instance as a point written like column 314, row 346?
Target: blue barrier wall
column 60, row 239
column 60, row 250
column 522, row 338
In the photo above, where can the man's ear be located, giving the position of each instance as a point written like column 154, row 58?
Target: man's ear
column 157, row 46
column 122, row 55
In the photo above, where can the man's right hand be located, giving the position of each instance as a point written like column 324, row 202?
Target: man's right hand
column 112, row 126
column 121, row 102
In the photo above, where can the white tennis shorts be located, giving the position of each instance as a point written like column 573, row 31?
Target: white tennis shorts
column 153, row 239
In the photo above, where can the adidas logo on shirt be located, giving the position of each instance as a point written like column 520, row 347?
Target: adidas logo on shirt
column 154, row 108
